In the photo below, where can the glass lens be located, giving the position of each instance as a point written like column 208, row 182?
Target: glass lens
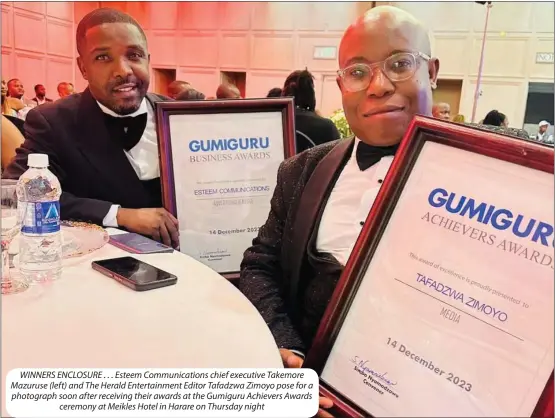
column 357, row 77
column 400, row 66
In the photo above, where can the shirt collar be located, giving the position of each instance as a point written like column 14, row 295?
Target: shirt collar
column 143, row 108
column 354, row 153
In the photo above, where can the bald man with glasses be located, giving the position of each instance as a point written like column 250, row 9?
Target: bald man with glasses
column 323, row 195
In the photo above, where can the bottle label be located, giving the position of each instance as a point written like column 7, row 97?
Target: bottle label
column 41, row 217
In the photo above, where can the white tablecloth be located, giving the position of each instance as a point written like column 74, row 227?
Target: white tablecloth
column 89, row 320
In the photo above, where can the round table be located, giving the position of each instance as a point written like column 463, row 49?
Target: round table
column 88, row 320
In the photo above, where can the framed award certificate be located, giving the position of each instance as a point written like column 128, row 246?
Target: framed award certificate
column 218, row 166
column 446, row 305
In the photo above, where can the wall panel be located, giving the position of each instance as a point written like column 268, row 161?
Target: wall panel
column 7, row 71
column 329, row 94
column 235, row 16
column 37, row 44
column 26, row 27
column 199, row 15
column 57, row 69
column 164, row 16
column 305, row 52
column 498, row 49
column 443, row 46
column 7, row 26
column 34, row 6
column 60, row 9
column 163, row 48
column 59, row 38
column 543, row 71
column 259, row 83
column 198, row 50
column 31, row 70
column 272, row 52
column 204, row 81
column 516, row 32
column 234, row 50
column 542, row 17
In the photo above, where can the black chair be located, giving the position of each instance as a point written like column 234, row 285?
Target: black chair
column 303, row 142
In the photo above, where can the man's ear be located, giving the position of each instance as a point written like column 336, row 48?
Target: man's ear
column 82, row 68
column 433, row 70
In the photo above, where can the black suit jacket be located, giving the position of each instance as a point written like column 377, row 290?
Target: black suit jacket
column 272, row 269
column 92, row 168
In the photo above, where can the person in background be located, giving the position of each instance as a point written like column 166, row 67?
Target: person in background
column 543, row 135
column 40, row 95
column 17, row 91
column 16, row 98
column 312, row 129
column 228, row 91
column 190, row 94
column 275, row 92
column 176, row 87
column 6, row 105
column 12, row 138
column 65, row 89
column 458, row 118
column 442, row 111
column 324, row 194
column 496, row 118
column 102, row 144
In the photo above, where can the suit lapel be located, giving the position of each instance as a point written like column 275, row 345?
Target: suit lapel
column 312, row 202
column 102, row 152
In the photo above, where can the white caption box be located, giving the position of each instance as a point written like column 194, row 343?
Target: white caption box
column 162, row 393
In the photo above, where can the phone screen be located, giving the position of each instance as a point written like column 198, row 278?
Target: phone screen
column 135, row 270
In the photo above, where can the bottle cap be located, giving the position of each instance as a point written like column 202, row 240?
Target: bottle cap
column 37, row 160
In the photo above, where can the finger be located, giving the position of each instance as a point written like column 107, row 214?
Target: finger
column 290, row 359
column 172, row 230
column 284, row 355
column 173, row 219
column 294, row 362
column 323, row 414
column 156, row 234
column 325, row 402
column 164, row 234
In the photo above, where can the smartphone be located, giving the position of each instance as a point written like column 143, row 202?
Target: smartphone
column 133, row 273
column 137, row 244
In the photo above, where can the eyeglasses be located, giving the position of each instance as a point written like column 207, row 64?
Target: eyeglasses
column 398, row 67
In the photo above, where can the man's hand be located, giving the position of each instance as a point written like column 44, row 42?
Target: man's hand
column 325, row 403
column 293, row 361
column 290, row 359
column 156, row 223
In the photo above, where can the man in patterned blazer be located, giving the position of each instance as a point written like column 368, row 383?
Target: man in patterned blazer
column 324, row 194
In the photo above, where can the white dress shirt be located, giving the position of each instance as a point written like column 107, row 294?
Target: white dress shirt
column 545, row 137
column 348, row 206
column 143, row 157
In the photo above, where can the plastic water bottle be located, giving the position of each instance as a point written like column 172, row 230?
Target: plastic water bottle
column 40, row 243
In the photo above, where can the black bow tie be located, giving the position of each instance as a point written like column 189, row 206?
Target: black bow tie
column 368, row 155
column 127, row 130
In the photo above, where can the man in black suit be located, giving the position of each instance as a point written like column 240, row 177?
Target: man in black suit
column 102, row 143
column 324, row 194
column 40, row 95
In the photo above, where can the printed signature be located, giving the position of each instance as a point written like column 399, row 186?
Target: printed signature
column 362, row 366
